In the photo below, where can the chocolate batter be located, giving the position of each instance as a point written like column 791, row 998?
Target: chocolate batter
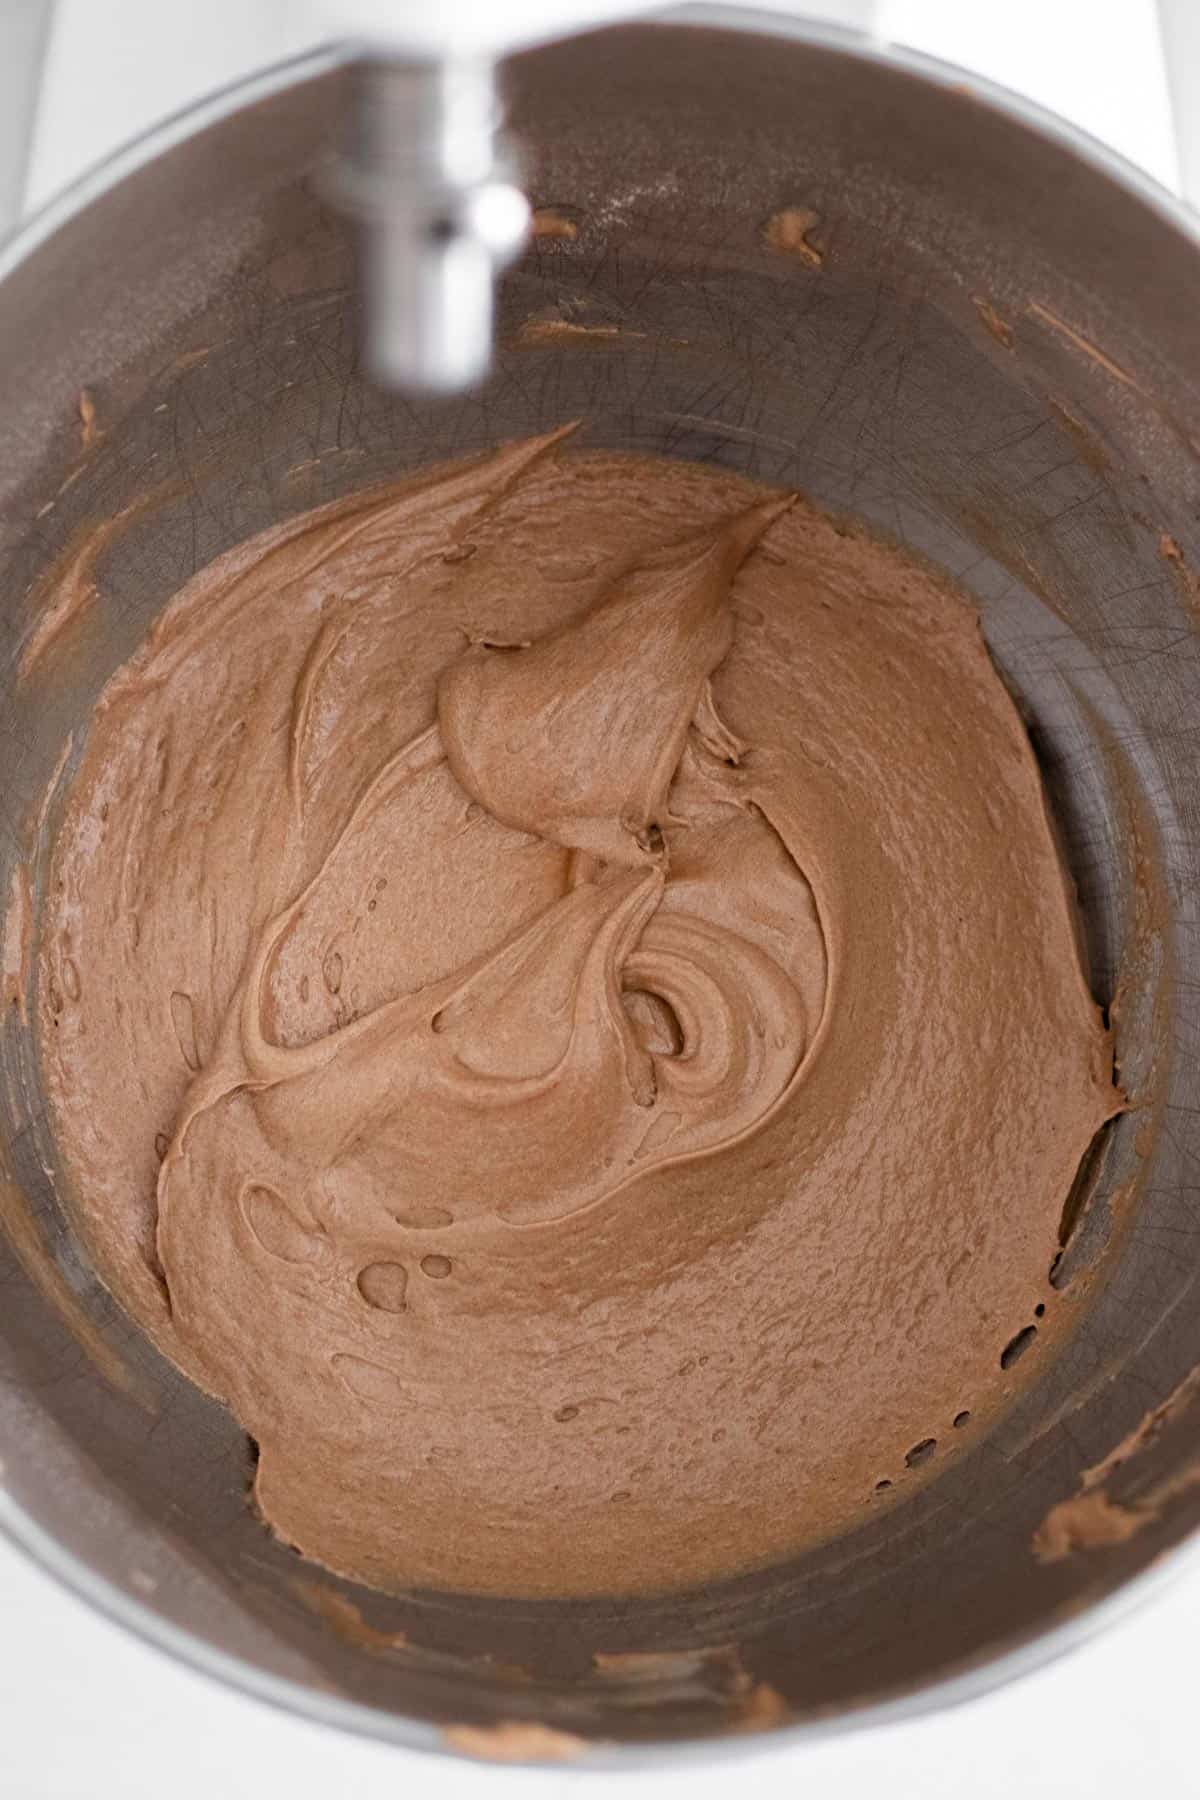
column 560, row 1004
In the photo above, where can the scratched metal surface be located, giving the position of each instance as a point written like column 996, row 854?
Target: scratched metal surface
column 1041, row 451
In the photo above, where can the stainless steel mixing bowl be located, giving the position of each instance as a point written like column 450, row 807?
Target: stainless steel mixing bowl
column 991, row 350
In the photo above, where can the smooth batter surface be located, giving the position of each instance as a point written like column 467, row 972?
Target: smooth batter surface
column 560, row 1003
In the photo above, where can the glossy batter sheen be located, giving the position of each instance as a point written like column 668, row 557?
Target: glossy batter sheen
column 560, row 1004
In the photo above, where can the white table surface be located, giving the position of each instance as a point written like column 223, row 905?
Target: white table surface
column 86, row 1710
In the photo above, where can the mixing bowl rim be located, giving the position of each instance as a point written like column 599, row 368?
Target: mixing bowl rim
column 993, row 1669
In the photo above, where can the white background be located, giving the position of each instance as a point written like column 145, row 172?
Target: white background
column 87, row 1711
